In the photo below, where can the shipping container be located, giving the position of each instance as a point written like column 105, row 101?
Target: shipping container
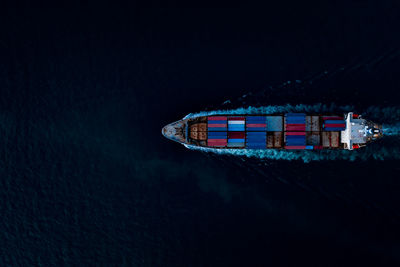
column 255, row 123
column 308, row 123
column 217, row 142
column 295, row 120
column 295, row 147
column 214, row 135
column 216, row 118
column 312, row 123
column 330, row 139
column 235, row 135
column 334, row 122
column 295, row 142
column 315, row 126
column 232, row 144
column 256, row 140
column 270, row 140
column 236, row 139
column 277, row 139
column 326, row 142
column 236, row 124
column 274, row 123
column 236, row 142
column 295, row 133
column 335, row 125
column 313, row 138
column 217, row 123
column 295, row 128
column 334, row 129
column 335, row 139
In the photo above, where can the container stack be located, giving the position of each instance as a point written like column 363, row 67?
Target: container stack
column 256, row 127
column 295, row 140
column 295, row 122
column 256, row 140
column 333, row 124
column 236, row 124
column 236, row 139
column 236, row 134
column 217, row 126
column 256, row 124
column 274, row 123
column 295, row 131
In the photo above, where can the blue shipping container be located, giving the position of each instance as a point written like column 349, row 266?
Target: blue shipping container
column 259, row 129
column 255, row 118
column 238, row 128
column 295, row 120
column 335, row 122
column 274, row 123
column 235, row 140
column 253, row 135
column 333, row 129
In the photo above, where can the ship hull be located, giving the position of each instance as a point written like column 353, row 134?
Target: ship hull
column 290, row 131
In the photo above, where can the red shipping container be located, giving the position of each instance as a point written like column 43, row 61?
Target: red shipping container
column 236, row 135
column 256, row 125
column 295, row 147
column 295, row 128
column 217, row 142
column 295, row 133
column 217, row 118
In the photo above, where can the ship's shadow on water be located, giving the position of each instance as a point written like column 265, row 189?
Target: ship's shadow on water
column 361, row 177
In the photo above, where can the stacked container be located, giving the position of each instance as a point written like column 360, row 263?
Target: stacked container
column 296, row 122
column 295, row 131
column 256, row 124
column 217, row 126
column 274, row 123
column 256, row 132
column 236, row 135
column 333, row 124
column 256, row 140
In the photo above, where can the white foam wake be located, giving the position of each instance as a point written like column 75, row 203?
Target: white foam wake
column 375, row 152
column 391, row 130
column 275, row 109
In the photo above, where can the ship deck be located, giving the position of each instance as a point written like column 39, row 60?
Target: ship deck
column 276, row 131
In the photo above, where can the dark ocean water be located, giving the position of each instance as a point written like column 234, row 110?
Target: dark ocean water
column 87, row 179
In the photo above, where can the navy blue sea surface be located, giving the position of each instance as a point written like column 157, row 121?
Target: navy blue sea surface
column 87, row 179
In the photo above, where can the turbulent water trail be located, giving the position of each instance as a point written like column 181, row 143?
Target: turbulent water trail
column 373, row 151
column 391, row 130
column 388, row 148
column 383, row 114
column 375, row 113
column 276, row 109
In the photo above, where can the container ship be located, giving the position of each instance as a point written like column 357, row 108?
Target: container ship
column 294, row 131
